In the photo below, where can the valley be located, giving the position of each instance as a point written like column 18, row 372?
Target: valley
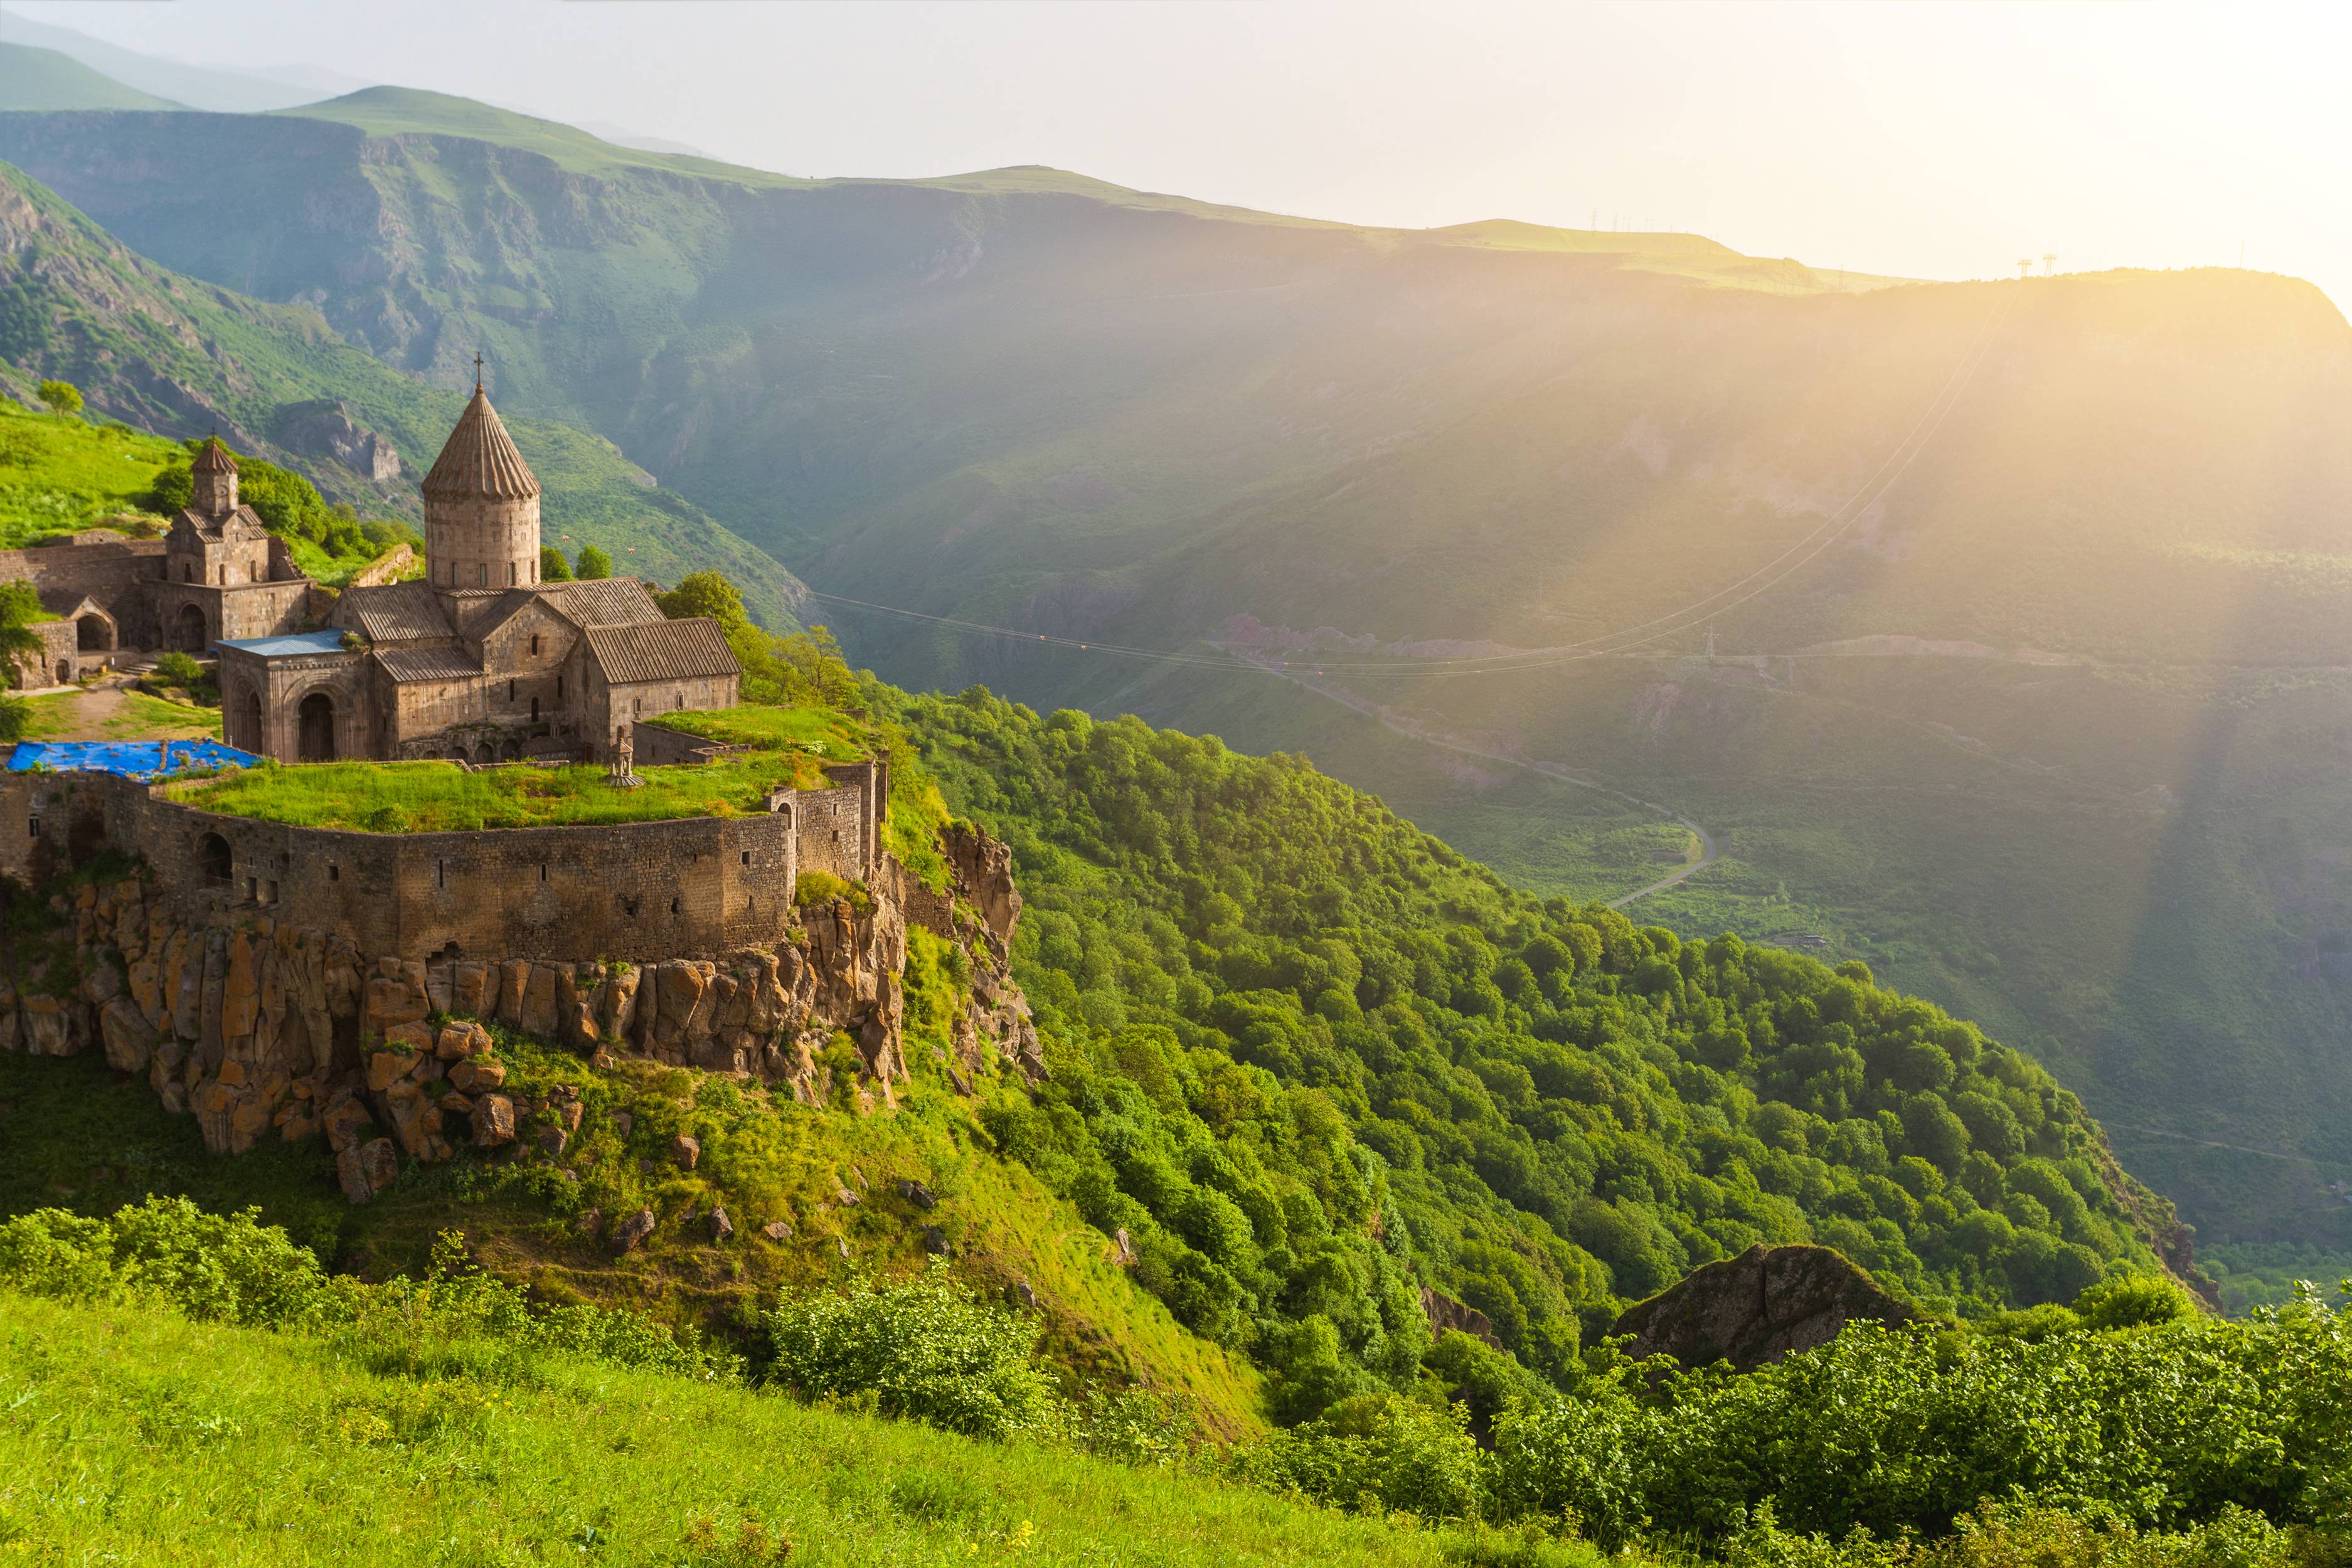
column 1027, row 400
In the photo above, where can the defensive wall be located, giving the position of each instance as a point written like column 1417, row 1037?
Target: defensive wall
column 637, row 890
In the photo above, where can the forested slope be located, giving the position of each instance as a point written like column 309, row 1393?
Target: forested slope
column 1304, row 1054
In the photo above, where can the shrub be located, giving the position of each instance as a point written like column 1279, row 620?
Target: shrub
column 925, row 1350
column 815, row 887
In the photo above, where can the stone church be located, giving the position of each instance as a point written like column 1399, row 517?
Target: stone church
column 479, row 661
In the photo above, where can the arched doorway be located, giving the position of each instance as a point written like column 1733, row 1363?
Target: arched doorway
column 509, row 752
column 65, row 672
column 212, row 859
column 94, row 634
column 315, row 725
column 191, row 638
column 251, row 737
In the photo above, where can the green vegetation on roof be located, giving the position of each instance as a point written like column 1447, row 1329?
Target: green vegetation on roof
column 441, row 797
column 835, row 736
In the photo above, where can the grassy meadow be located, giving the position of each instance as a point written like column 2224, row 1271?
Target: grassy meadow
column 133, row 1436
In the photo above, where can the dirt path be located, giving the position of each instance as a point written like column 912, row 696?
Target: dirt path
column 1709, row 849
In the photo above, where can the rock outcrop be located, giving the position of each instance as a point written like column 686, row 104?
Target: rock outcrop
column 1759, row 1307
column 253, row 1026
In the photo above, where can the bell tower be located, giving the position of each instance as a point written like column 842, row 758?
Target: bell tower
column 214, row 474
column 481, row 505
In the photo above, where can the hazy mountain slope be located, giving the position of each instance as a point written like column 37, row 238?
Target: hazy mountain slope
column 196, row 87
column 168, row 354
column 33, row 79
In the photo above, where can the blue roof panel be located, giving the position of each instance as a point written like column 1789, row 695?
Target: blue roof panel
column 290, row 644
column 131, row 759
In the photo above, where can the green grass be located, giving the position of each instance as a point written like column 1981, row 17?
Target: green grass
column 141, row 717
column 821, row 732
column 71, row 1136
column 130, row 1436
column 62, row 475
column 440, row 797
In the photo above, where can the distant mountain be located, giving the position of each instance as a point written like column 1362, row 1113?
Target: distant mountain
column 178, row 81
column 33, row 79
column 167, row 353
column 2030, row 600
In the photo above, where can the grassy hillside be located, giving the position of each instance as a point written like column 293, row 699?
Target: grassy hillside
column 44, row 79
column 166, row 354
column 574, row 1461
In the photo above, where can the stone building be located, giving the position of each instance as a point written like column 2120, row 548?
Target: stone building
column 218, row 573
column 480, row 661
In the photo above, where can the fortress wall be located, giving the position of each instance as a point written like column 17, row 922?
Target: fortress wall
column 639, row 891
column 832, row 831
column 111, row 572
column 659, row 746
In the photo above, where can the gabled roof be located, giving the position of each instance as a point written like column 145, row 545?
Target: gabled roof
column 479, row 611
column 480, row 459
column 395, row 612
column 605, row 602
column 211, row 528
column 430, row 663
column 661, row 651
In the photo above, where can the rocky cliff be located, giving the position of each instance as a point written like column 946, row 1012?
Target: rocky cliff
column 256, row 1027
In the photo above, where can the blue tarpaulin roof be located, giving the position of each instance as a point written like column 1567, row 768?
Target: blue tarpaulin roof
column 131, row 759
column 291, row 642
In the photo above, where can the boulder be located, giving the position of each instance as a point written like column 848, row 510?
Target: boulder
column 632, row 1231
column 366, row 1169
column 130, row 1041
column 474, row 1075
column 686, row 1151
column 777, row 1230
column 723, row 1229
column 1753, row 1309
column 919, row 1194
column 494, row 1121
column 1444, row 1312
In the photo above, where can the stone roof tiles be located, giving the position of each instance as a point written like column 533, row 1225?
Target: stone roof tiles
column 214, row 458
column 605, row 602
column 426, row 664
column 479, row 460
column 661, row 651
column 395, row 613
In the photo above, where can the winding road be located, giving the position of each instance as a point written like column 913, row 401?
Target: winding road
column 1710, row 848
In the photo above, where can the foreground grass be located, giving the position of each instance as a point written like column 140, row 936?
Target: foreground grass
column 133, row 1436
column 439, row 797
column 119, row 715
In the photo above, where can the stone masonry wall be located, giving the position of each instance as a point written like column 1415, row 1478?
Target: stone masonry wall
column 632, row 891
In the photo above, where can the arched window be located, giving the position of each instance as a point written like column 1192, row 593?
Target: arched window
column 212, row 859
column 534, row 710
column 534, row 644
column 482, row 575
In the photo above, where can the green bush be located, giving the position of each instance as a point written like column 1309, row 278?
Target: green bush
column 925, row 1350
column 811, row 888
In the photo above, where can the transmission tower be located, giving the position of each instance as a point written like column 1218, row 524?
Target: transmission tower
column 2049, row 261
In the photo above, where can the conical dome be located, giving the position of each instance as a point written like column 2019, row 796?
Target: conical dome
column 215, row 457
column 480, row 459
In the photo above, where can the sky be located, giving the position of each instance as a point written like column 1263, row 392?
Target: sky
column 1927, row 141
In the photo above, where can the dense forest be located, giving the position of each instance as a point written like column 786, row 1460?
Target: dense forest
column 1305, row 1056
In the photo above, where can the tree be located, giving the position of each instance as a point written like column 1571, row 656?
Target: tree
column 705, row 594
column 595, row 564
column 63, row 397
column 552, row 566
column 19, row 606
